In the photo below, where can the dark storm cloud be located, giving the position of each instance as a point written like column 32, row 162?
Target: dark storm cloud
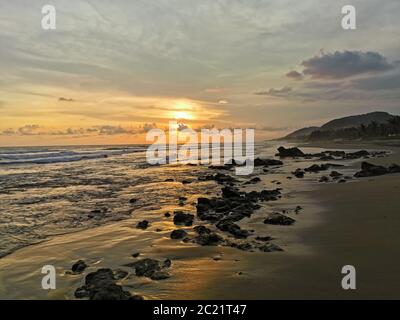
column 339, row 65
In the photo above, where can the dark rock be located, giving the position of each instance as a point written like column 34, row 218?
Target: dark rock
column 160, row 275
column 98, row 213
column 202, row 230
column 298, row 173
column 100, row 278
column 229, row 192
column 270, row 247
column 208, row 239
column 335, row 174
column 145, row 267
column 232, row 228
column 111, row 292
column 100, row 285
column 81, row 293
column 120, row 274
column 279, row 219
column 253, row 180
column 169, row 180
column 394, row 168
column 357, row 155
column 79, row 266
column 167, row 263
column 370, row 170
column 183, row 219
column 186, row 181
column 258, row 162
column 269, row 195
column 178, row 234
column 324, row 179
column 143, row 224
column 290, row 152
column 326, row 158
column 244, row 246
column 317, row 168
column 167, row 214
column 298, row 209
column 220, row 178
column 151, row 268
column 266, row 238
column 132, row 201
column 136, row 254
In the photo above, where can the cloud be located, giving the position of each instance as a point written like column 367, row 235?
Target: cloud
column 149, row 126
column 29, row 129
column 112, row 130
column 295, row 75
column 66, row 99
column 280, row 92
column 8, row 132
column 339, row 65
column 389, row 81
column 94, row 130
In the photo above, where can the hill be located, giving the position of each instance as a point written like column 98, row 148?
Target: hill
column 355, row 121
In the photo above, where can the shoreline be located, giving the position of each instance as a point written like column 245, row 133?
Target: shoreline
column 317, row 247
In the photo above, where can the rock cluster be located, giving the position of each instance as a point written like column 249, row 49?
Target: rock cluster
column 370, row 170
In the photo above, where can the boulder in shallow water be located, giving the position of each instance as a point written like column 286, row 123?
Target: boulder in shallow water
column 324, row 179
column 230, row 192
column 151, row 268
column 143, row 224
column 370, row 170
column 335, row 175
column 79, row 266
column 183, row 219
column 258, row 162
column 290, row 152
column 279, row 219
column 270, row 247
column 357, row 154
column 232, row 228
column 202, row 230
column 100, row 285
column 178, row 234
column 394, row 168
column 298, row 173
column 317, row 168
column 208, row 239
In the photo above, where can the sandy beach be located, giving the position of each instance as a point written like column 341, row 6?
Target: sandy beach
column 352, row 223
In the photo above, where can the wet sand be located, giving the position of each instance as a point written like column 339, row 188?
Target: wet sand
column 354, row 223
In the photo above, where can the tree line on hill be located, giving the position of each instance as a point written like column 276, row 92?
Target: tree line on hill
column 372, row 130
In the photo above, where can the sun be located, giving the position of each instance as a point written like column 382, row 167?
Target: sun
column 183, row 110
column 182, row 115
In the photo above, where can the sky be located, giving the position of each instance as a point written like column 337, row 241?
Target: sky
column 112, row 70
